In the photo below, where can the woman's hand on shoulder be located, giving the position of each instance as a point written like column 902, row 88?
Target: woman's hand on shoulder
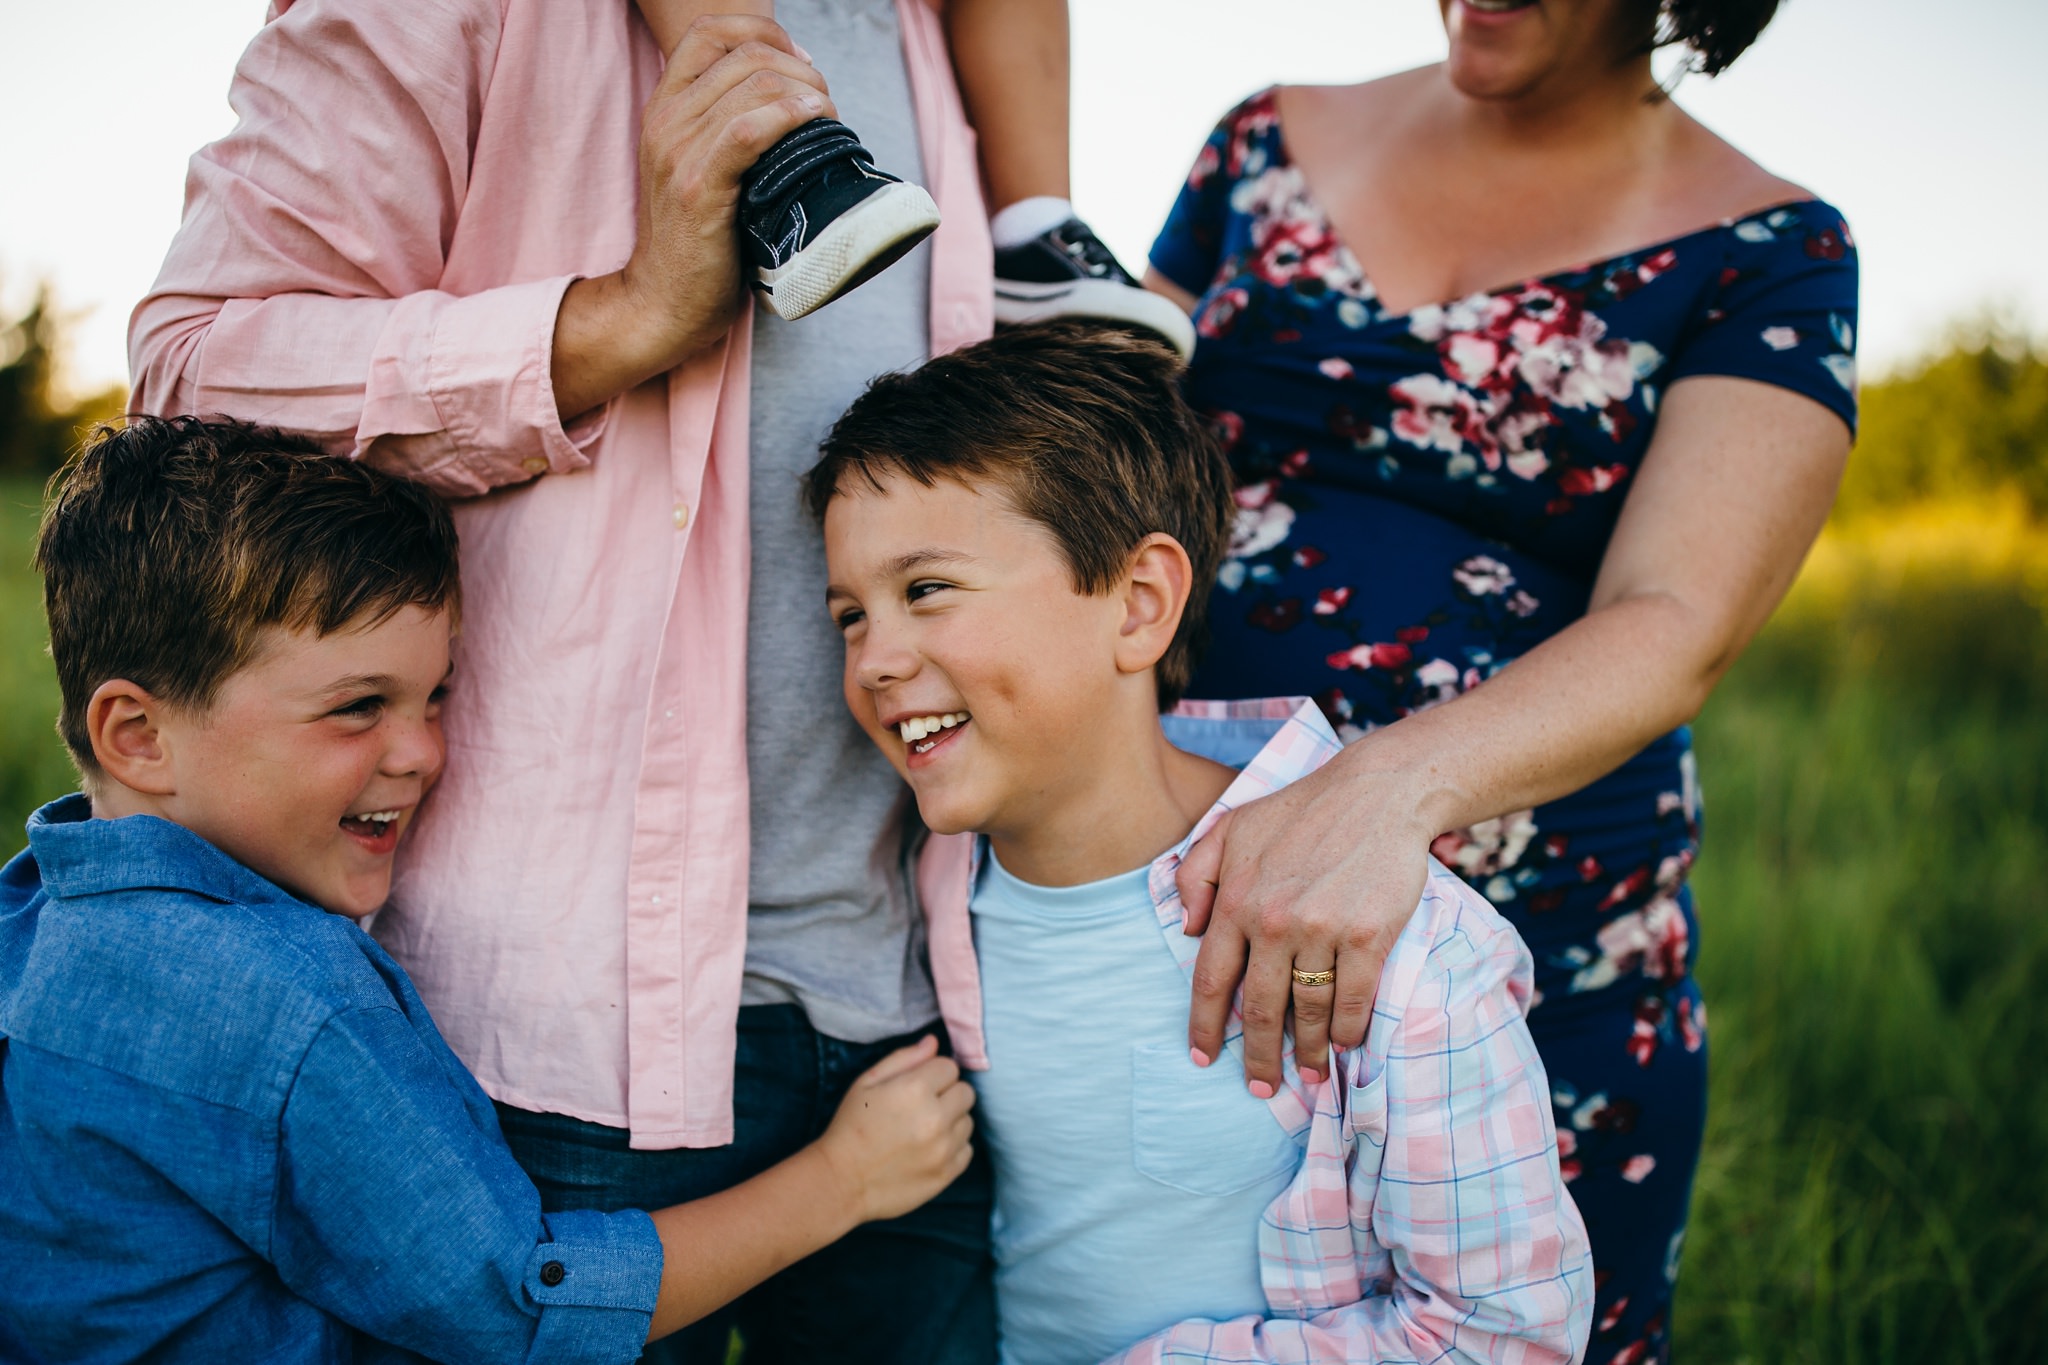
column 1321, row 876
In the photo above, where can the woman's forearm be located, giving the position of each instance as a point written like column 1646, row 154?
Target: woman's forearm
column 1568, row 712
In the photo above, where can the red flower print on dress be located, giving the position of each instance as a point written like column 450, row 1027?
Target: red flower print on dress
column 1221, row 311
column 1488, row 847
column 1631, row 1354
column 1598, row 479
column 1612, row 1319
column 1828, row 244
column 1276, row 616
column 1330, row 601
column 1692, row 1024
column 1643, row 1032
column 1653, row 940
column 1308, row 556
column 1627, row 889
column 1291, row 240
column 1511, row 359
column 1262, row 521
column 1437, row 682
column 1362, row 657
column 1483, row 576
column 1256, row 117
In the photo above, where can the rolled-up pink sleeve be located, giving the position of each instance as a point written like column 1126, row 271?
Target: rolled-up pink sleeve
column 305, row 287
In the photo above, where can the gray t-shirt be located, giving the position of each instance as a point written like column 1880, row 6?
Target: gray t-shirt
column 830, row 921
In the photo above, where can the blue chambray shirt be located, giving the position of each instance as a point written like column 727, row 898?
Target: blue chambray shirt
column 230, row 1131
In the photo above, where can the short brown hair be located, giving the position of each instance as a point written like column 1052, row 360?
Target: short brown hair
column 169, row 544
column 1083, row 426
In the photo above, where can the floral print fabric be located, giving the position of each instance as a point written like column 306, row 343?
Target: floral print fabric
column 1425, row 496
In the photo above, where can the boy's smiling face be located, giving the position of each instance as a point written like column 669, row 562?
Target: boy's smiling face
column 310, row 762
column 955, row 607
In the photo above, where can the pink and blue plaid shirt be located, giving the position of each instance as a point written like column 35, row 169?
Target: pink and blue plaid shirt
column 1428, row 1221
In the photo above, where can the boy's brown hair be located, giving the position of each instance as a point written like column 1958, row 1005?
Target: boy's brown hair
column 168, row 545
column 1083, row 427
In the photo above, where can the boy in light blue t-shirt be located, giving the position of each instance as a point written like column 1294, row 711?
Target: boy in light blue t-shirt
column 1019, row 539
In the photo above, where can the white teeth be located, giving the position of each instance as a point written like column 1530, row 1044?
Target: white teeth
column 382, row 817
column 917, row 727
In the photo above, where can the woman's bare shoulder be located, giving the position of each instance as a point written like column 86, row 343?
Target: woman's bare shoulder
column 1721, row 178
column 1352, row 101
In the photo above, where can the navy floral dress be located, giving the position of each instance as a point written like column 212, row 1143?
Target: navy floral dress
column 1423, row 497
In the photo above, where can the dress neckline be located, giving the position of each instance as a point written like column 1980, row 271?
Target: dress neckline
column 1314, row 202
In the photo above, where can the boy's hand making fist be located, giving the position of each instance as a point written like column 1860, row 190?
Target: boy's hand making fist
column 901, row 1134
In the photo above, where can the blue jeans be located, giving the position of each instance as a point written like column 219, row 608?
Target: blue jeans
column 918, row 1290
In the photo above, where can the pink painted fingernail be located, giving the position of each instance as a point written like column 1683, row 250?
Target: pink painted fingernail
column 1261, row 1090
column 1313, row 1074
column 1198, row 1057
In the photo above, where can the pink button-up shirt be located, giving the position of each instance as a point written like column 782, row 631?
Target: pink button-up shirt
column 376, row 255
column 1429, row 1220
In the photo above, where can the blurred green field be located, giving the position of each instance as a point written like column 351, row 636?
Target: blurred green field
column 1873, row 899
column 1874, row 909
column 33, row 767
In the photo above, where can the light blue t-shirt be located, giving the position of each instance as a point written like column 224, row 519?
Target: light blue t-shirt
column 1129, row 1182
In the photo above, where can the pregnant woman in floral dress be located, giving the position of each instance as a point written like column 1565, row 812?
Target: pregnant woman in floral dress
column 1600, row 479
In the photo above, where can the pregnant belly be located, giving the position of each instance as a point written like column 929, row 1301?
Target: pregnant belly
column 1374, row 607
column 1378, row 610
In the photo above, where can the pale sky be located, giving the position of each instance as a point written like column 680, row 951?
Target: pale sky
column 1924, row 122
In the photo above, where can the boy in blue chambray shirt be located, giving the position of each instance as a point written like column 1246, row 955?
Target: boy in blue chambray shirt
column 228, row 1128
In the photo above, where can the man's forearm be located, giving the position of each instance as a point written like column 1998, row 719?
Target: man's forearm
column 603, row 346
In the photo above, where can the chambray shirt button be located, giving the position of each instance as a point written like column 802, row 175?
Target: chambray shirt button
column 552, row 1274
column 534, row 464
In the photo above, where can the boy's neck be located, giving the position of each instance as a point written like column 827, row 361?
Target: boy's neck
column 1130, row 803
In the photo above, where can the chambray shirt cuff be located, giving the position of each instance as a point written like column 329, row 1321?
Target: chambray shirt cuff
column 596, row 1279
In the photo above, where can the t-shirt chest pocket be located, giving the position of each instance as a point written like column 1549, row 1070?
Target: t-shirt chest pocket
column 1197, row 1129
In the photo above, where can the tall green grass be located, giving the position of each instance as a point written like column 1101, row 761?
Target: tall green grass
column 1874, row 909
column 1874, row 925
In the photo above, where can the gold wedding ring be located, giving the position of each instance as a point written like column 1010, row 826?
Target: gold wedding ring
column 1322, row 978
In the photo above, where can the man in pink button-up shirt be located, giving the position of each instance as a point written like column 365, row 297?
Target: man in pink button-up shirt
column 439, row 238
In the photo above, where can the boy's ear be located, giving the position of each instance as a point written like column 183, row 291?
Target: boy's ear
column 1155, row 593
column 125, row 723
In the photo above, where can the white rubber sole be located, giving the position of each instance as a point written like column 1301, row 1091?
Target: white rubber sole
column 859, row 243
column 1017, row 302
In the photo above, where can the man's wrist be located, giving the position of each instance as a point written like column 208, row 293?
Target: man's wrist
column 638, row 336
column 605, row 343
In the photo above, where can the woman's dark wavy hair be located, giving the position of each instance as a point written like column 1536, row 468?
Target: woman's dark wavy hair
column 1717, row 31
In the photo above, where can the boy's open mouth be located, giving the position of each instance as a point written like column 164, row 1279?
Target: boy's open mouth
column 376, row 829
column 922, row 734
